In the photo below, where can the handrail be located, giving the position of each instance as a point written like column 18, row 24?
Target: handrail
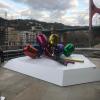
column 8, row 51
column 8, row 54
column 88, row 49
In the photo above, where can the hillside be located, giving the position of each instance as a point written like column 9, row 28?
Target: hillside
column 20, row 24
column 26, row 24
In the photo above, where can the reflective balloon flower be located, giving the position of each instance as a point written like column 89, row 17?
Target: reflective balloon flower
column 54, row 39
column 30, row 51
column 41, row 39
column 68, row 49
column 39, row 49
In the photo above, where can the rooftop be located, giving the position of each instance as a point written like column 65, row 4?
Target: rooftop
column 16, row 86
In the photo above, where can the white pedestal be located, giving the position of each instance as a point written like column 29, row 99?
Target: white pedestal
column 54, row 72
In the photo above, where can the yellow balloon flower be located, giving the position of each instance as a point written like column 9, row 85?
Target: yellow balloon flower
column 54, row 39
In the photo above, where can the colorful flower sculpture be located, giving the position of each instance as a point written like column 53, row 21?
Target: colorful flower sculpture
column 50, row 48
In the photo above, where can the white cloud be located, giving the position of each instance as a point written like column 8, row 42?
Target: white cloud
column 48, row 10
column 68, row 12
column 97, row 3
column 55, row 11
column 3, row 5
column 48, row 4
column 74, row 3
column 96, row 19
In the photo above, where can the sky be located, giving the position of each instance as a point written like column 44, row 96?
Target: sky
column 68, row 12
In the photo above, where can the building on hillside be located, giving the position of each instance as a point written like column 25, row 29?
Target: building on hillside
column 13, row 39
column 38, row 28
column 26, row 37
column 3, row 31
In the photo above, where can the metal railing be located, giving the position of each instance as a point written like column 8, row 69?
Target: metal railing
column 89, row 52
column 9, row 54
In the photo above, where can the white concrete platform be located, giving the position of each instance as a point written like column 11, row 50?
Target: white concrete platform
column 51, row 71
